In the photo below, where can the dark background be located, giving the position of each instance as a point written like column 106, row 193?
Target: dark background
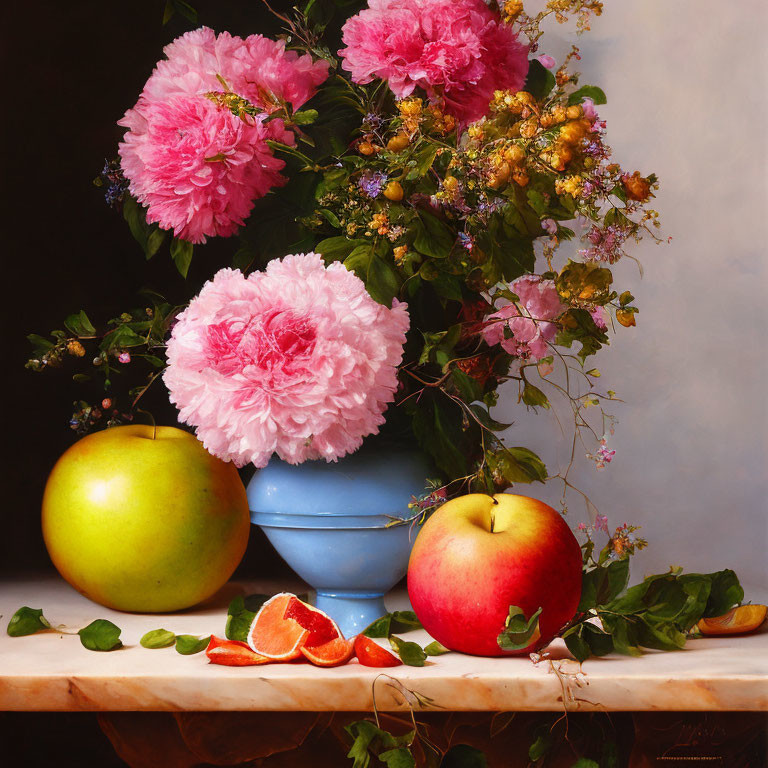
column 72, row 69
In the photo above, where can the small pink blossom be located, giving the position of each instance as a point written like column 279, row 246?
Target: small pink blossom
column 600, row 317
column 588, row 105
column 124, row 357
column 528, row 321
column 458, row 51
column 297, row 360
column 601, row 523
column 546, row 61
column 549, row 225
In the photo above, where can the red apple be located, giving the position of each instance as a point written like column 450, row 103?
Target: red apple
column 478, row 555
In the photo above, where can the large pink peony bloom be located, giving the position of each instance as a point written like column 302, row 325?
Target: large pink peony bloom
column 197, row 167
column 527, row 321
column 457, row 50
column 256, row 68
column 194, row 164
column 297, row 360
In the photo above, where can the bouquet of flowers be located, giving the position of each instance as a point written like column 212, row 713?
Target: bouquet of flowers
column 421, row 209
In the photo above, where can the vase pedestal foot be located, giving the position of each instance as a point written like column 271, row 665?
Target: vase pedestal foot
column 352, row 611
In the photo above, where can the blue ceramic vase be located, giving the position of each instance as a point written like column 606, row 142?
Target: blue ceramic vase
column 331, row 522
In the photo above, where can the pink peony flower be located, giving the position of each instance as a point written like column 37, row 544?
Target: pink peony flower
column 458, row 51
column 195, row 165
column 528, row 321
column 256, row 68
column 297, row 360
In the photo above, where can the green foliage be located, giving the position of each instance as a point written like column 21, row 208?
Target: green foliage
column 101, row 635
column 436, row 649
column 80, row 325
column 187, row 645
column 240, row 615
column 397, row 621
column 369, row 742
column 657, row 613
column 158, row 638
column 410, row 653
column 27, row 621
column 519, row 631
column 149, row 236
column 540, row 81
column 181, row 253
column 588, row 92
column 183, row 8
column 380, row 278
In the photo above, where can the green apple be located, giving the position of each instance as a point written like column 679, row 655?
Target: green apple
column 144, row 519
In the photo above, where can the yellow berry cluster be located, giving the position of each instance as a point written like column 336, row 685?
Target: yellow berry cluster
column 411, row 113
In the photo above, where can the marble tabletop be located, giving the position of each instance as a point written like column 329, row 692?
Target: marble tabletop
column 53, row 671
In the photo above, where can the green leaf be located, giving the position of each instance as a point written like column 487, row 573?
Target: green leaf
column 181, row 253
column 517, row 465
column 368, row 739
column 410, row 653
column 540, row 747
column 397, row 621
column 305, row 117
column 149, row 237
column 100, row 635
column 40, row 345
column 534, row 397
column 577, row 645
column 337, row 248
column 436, row 649
column 463, row 756
column 587, row 92
column 240, row 615
column 585, row 762
column 484, row 417
column 27, row 621
column 80, row 324
column 724, row 594
column 519, row 631
column 469, row 388
column 540, row 81
column 243, row 258
column 381, row 280
column 189, row 644
column 158, row 638
column 399, row 757
column 433, row 237
column 422, row 162
column 603, row 584
column 330, row 217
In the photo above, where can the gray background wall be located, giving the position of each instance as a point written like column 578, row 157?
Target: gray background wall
column 686, row 85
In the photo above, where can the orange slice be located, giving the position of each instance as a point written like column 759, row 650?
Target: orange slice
column 330, row 654
column 370, row 654
column 232, row 653
column 744, row 618
column 275, row 636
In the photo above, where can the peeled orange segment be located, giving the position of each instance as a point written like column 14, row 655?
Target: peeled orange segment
column 322, row 628
column 275, row 636
column 330, row 654
column 744, row 618
column 232, row 653
column 371, row 654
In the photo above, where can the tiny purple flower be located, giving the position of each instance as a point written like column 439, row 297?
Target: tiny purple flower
column 372, row 183
column 549, row 225
column 124, row 357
